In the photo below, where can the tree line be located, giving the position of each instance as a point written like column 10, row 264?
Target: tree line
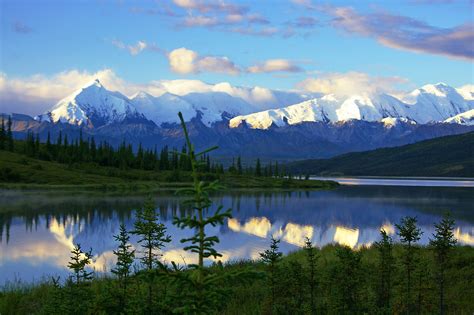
column 6, row 135
column 87, row 150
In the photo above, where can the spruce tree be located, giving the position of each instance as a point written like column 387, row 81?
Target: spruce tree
column 152, row 238
column 202, row 290
column 271, row 257
column 3, row 135
column 347, row 279
column 125, row 257
column 239, row 166
column 9, row 135
column 258, row 168
column 311, row 259
column 385, row 268
column 442, row 242
column 79, row 261
column 409, row 234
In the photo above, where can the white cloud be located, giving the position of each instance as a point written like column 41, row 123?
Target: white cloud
column 37, row 93
column 132, row 49
column 137, row 48
column 200, row 20
column 350, row 83
column 219, row 6
column 185, row 61
column 274, row 65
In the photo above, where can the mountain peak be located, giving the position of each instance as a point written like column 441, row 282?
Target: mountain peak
column 141, row 94
column 93, row 84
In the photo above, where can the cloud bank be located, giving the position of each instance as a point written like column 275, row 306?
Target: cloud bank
column 350, row 83
column 406, row 33
column 185, row 61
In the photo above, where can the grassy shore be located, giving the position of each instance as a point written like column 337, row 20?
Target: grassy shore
column 20, row 172
column 292, row 287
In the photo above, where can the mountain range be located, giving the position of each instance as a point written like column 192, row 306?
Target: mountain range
column 281, row 125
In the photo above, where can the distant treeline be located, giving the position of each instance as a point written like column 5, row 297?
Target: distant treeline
column 86, row 150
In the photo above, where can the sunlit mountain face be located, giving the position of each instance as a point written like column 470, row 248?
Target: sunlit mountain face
column 38, row 231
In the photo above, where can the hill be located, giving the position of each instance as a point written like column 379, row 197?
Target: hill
column 444, row 156
column 20, row 171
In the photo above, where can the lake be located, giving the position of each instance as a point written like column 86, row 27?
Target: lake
column 38, row 230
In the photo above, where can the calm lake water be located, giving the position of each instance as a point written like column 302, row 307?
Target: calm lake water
column 38, row 230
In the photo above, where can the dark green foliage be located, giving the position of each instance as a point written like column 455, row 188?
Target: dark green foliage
column 125, row 256
column 9, row 139
column 239, row 166
column 409, row 234
column 385, row 270
column 81, row 150
column 347, row 278
column 271, row 257
column 8, row 175
column 99, row 296
column 3, row 135
column 258, row 168
column 6, row 135
column 78, row 264
column 312, row 259
column 444, row 156
column 203, row 295
column 152, row 234
column 152, row 238
column 442, row 242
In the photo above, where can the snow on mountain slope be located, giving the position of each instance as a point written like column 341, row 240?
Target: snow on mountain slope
column 214, row 106
column 328, row 108
column 467, row 92
column 435, row 102
column 92, row 105
column 210, row 107
column 95, row 106
column 466, row 118
column 164, row 108
column 431, row 103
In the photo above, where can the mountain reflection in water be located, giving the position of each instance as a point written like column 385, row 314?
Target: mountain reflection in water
column 37, row 231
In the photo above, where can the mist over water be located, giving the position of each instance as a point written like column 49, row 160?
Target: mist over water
column 38, row 230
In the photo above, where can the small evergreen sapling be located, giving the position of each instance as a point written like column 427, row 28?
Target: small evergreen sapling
column 202, row 290
column 79, row 261
column 125, row 257
column 409, row 234
column 442, row 242
column 271, row 257
column 152, row 234
column 152, row 238
column 385, row 268
column 312, row 259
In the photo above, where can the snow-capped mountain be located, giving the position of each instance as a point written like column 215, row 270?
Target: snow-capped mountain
column 210, row 107
column 466, row 118
column 162, row 109
column 92, row 106
column 216, row 106
column 435, row 102
column 431, row 103
column 315, row 126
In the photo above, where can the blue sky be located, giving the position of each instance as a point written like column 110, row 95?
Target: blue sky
column 280, row 44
